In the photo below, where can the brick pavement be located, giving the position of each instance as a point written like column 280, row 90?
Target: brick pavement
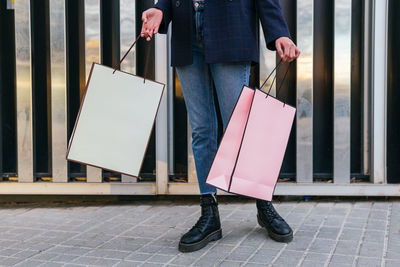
column 330, row 234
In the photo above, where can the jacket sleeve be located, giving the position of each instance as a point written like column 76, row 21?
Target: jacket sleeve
column 272, row 21
column 165, row 7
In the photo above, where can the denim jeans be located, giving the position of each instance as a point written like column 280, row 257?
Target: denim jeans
column 197, row 86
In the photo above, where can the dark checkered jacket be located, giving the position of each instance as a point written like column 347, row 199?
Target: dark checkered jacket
column 230, row 28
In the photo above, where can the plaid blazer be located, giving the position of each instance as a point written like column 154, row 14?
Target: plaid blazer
column 230, row 28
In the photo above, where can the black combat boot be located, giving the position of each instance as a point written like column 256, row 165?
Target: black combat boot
column 276, row 226
column 207, row 228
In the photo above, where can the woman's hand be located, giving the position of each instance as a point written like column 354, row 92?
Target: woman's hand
column 286, row 49
column 151, row 18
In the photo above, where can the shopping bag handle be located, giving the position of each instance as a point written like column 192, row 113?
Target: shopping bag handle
column 273, row 81
column 127, row 52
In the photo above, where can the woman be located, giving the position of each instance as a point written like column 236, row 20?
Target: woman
column 214, row 42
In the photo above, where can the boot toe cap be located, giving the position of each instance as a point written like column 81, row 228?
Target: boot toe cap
column 191, row 237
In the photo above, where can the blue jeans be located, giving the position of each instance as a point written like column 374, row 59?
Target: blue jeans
column 197, row 87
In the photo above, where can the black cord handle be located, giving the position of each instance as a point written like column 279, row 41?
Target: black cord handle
column 269, row 76
column 274, row 79
column 127, row 52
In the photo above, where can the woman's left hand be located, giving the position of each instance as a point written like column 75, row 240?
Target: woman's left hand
column 286, row 49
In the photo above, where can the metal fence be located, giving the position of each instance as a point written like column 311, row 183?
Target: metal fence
column 340, row 86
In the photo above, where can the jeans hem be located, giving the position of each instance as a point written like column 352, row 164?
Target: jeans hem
column 208, row 193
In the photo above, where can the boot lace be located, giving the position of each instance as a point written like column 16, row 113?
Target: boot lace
column 270, row 211
column 203, row 218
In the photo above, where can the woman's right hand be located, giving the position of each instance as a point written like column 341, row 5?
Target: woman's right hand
column 151, row 18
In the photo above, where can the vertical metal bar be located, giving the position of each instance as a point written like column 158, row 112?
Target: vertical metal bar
column 92, row 54
column 267, row 64
column 341, row 91
column 171, row 83
column 58, row 90
column 304, row 118
column 162, row 72
column 379, row 91
column 24, row 90
column 366, row 85
column 127, row 36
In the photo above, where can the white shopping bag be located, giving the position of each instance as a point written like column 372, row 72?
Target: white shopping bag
column 115, row 120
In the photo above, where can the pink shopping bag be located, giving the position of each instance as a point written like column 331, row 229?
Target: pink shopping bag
column 251, row 151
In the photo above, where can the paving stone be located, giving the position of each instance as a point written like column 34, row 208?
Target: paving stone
column 9, row 252
column 52, row 264
column 307, row 263
column 184, row 260
column 393, row 253
column 342, row 259
column 105, row 253
column 150, row 249
column 230, row 264
column 272, row 244
column 307, row 234
column 378, row 215
column 45, row 256
column 328, row 232
column 316, row 257
column 254, row 265
column 122, row 243
column 363, row 204
column 368, row 262
column 371, row 249
column 255, row 239
column 339, row 211
column 237, row 256
column 25, row 254
column 299, row 243
column 169, row 251
column 264, row 256
column 359, row 213
column 7, row 243
column 346, row 247
column 126, row 263
column 374, row 236
column 334, row 221
column 244, row 249
column 9, row 261
column 314, row 220
column 309, row 228
column 206, row 262
column 86, row 260
column 211, row 254
column 160, row 258
column 351, row 234
column 64, row 258
column 392, row 263
column 29, row 263
column 322, row 246
column 358, row 223
column 333, row 264
column 138, row 256
column 379, row 225
column 289, row 258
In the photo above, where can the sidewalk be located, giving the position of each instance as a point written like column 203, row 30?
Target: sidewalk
column 147, row 233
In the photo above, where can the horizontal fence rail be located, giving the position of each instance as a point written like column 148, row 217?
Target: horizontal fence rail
column 337, row 146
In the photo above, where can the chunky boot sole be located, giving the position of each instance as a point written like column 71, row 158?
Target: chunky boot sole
column 214, row 236
column 277, row 237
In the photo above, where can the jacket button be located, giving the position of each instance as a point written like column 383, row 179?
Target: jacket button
column 178, row 3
